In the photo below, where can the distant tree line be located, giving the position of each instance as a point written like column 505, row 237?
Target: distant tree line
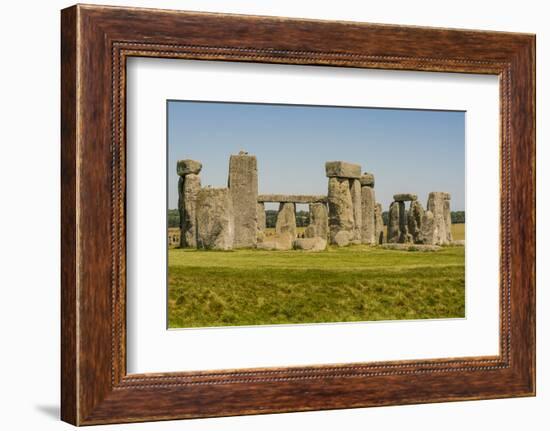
column 302, row 218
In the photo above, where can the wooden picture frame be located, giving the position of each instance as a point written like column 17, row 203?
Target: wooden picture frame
column 95, row 43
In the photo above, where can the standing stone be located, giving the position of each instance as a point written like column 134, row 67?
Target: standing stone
column 260, row 214
column 181, row 209
column 243, row 185
column 440, row 206
column 286, row 220
column 378, row 224
column 215, row 221
column 428, row 228
column 355, row 190
column 318, row 221
column 414, row 219
column 340, row 208
column 447, row 217
column 393, row 223
column 368, row 203
column 404, row 235
column 191, row 187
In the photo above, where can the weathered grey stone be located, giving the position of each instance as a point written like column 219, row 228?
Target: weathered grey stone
column 367, row 179
column 343, row 238
column 414, row 219
column 355, row 190
column 318, row 221
column 188, row 166
column 297, row 199
column 260, row 214
column 411, row 247
column 404, row 197
column 340, row 208
column 428, row 228
column 368, row 203
column 278, row 242
column 243, row 185
column 404, row 235
column 181, row 209
column 191, row 186
column 341, row 169
column 458, row 243
column 378, row 224
column 215, row 222
column 310, row 244
column 286, row 220
column 393, row 223
column 439, row 205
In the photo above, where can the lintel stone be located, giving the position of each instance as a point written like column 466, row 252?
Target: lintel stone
column 342, row 169
column 403, row 197
column 188, row 166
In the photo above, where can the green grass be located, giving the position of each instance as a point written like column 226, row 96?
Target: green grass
column 357, row 283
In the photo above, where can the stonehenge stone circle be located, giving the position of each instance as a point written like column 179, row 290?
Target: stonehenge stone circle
column 215, row 221
column 243, row 186
column 286, row 219
column 235, row 217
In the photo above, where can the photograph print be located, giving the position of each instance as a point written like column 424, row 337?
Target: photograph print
column 300, row 214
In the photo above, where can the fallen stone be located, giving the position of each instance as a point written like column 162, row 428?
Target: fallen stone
column 215, row 222
column 278, row 242
column 342, row 238
column 411, row 247
column 404, row 197
column 367, row 180
column 342, row 170
column 286, row 220
column 243, row 185
column 188, row 166
column 310, row 244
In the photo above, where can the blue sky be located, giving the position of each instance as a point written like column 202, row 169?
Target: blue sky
column 409, row 151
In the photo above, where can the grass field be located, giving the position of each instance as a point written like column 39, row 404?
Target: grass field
column 356, row 283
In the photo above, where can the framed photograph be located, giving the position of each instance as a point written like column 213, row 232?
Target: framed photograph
column 263, row 214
